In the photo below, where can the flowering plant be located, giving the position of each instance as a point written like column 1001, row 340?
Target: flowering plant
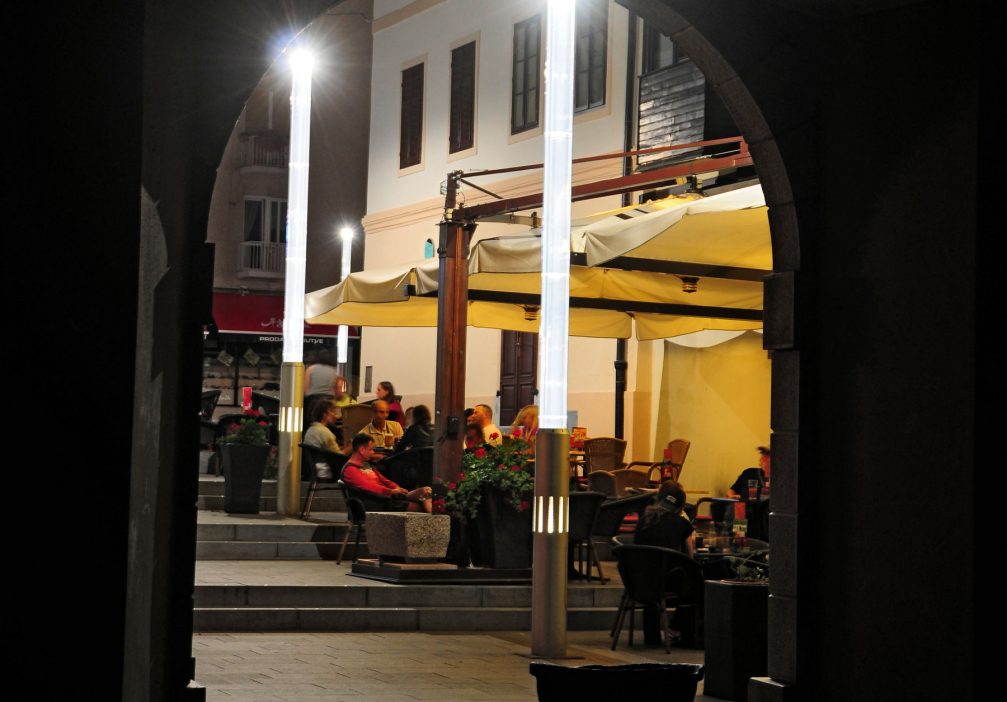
column 500, row 467
column 252, row 428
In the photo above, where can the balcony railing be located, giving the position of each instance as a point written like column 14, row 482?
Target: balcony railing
column 262, row 257
column 265, row 150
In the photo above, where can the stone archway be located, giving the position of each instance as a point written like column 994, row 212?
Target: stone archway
column 684, row 23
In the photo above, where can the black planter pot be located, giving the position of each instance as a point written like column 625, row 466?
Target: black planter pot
column 243, row 465
column 505, row 538
column 458, row 545
column 735, row 636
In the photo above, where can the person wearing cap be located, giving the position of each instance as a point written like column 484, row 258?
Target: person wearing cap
column 665, row 522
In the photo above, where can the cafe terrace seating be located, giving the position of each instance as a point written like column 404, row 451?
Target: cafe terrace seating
column 671, row 467
column 604, row 453
column 410, row 469
column 584, row 508
column 612, row 513
column 311, row 455
column 356, row 515
column 656, row 577
column 355, row 418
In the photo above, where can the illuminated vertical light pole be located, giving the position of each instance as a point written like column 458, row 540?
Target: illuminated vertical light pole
column 343, row 335
column 552, row 474
column 288, row 485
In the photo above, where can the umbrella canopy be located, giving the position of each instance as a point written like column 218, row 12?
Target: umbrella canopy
column 633, row 263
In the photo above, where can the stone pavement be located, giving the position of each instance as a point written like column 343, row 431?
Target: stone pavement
column 392, row 667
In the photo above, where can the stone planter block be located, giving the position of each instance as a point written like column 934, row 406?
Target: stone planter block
column 408, row 535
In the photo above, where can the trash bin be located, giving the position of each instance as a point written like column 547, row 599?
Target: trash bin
column 669, row 682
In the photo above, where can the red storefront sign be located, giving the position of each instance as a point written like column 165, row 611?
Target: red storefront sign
column 260, row 314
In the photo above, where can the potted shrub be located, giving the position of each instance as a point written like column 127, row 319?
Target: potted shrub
column 244, row 451
column 493, row 494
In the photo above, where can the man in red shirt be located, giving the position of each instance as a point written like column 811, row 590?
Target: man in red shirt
column 360, row 474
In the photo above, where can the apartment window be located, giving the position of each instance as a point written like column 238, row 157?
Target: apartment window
column 592, row 54
column 411, row 127
column 659, row 51
column 265, row 236
column 266, row 220
column 525, row 75
column 463, row 98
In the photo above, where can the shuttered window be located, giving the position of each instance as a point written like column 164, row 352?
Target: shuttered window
column 463, row 98
column 592, row 54
column 525, row 75
column 411, row 134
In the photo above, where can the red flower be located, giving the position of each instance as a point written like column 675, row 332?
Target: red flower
column 525, row 504
column 263, row 424
column 253, row 412
column 480, row 453
column 494, row 435
column 461, row 476
column 234, row 427
column 452, row 486
column 515, row 468
column 516, row 433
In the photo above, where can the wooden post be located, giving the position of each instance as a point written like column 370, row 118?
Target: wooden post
column 452, row 321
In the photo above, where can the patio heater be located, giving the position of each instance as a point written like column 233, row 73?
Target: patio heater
column 551, row 516
column 343, row 335
column 288, row 484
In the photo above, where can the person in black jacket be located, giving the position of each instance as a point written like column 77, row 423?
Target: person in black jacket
column 420, row 433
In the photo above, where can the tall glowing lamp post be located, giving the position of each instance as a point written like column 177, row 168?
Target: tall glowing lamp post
column 552, row 490
column 343, row 335
column 288, row 484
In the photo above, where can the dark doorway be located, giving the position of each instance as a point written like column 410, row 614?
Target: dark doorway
column 518, row 373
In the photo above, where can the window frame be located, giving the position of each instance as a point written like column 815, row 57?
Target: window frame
column 593, row 34
column 273, row 210
column 411, row 109
column 458, row 91
column 519, row 62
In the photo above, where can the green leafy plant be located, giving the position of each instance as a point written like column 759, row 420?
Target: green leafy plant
column 748, row 569
column 252, row 428
column 499, row 467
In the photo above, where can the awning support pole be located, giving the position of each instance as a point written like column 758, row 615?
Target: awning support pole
column 620, row 388
column 452, row 324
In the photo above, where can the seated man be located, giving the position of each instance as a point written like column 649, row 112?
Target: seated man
column 320, row 436
column 757, row 513
column 360, row 474
column 382, row 430
column 739, row 488
column 483, row 416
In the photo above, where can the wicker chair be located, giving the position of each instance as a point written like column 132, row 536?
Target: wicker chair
column 355, row 418
column 602, row 481
column 669, row 468
column 629, row 478
column 604, row 453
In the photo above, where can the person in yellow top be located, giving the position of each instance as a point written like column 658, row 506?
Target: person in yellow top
column 383, row 430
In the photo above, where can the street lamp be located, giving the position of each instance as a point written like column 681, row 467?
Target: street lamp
column 288, row 486
column 552, row 490
column 343, row 335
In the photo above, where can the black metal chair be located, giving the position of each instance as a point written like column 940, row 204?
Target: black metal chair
column 208, row 403
column 659, row 578
column 583, row 512
column 409, row 469
column 356, row 515
column 310, row 457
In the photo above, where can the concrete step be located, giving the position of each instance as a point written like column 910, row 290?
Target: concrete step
column 276, row 550
column 323, row 502
column 219, row 619
column 378, row 596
